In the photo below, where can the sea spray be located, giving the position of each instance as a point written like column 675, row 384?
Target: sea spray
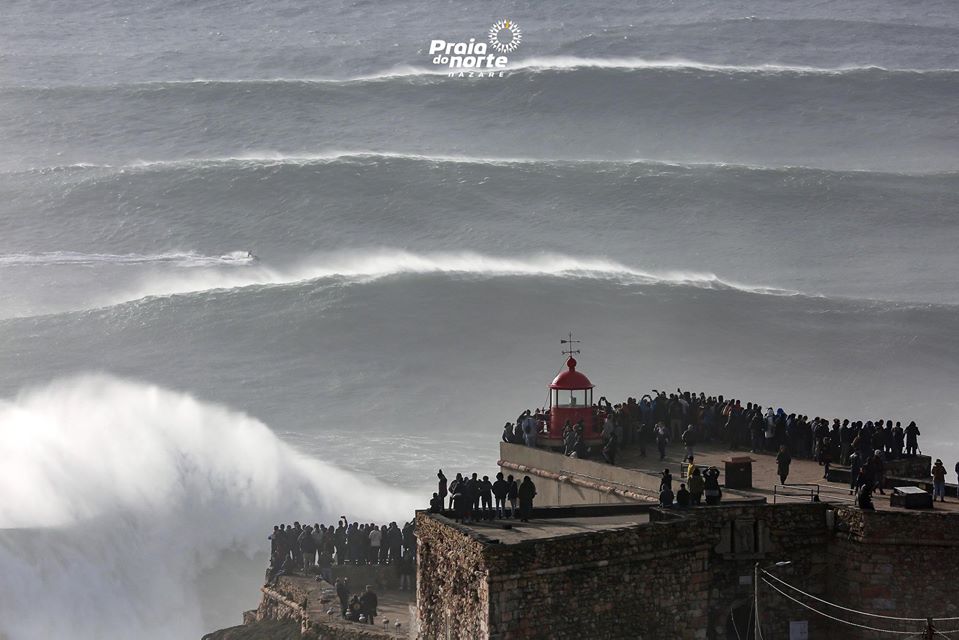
column 118, row 494
column 371, row 264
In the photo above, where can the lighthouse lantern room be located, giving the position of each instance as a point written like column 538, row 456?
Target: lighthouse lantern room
column 570, row 400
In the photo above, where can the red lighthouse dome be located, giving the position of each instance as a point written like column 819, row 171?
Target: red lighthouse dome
column 571, row 378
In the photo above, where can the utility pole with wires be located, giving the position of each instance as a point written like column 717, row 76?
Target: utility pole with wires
column 759, row 634
column 930, row 630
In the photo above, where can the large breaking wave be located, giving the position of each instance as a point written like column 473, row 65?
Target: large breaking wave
column 361, row 266
column 118, row 494
column 748, row 114
column 273, row 159
column 535, row 65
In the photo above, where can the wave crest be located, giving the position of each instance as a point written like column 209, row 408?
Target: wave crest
column 117, row 494
column 177, row 259
column 333, row 156
column 535, row 64
column 365, row 266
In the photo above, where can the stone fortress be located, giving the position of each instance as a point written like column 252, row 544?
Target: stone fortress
column 601, row 559
column 627, row 568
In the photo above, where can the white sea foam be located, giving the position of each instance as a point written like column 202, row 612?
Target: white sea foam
column 272, row 158
column 365, row 266
column 178, row 259
column 531, row 64
column 117, row 494
column 567, row 63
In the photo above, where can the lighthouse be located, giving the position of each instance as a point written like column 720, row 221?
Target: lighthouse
column 571, row 400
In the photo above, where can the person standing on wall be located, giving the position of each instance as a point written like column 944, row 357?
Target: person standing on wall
column 376, row 540
column 666, row 480
column 711, row 481
column 879, row 473
column 689, row 439
column 912, row 439
column 499, row 489
column 307, row 549
column 939, row 481
column 662, row 439
column 457, row 481
column 442, row 490
column 343, row 593
column 512, row 493
column 825, row 456
column 696, row 487
column 783, row 459
column 526, row 493
column 682, row 496
column 486, row 498
column 368, row 603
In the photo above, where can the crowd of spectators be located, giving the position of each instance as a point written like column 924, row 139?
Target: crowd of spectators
column 472, row 498
column 315, row 549
column 662, row 418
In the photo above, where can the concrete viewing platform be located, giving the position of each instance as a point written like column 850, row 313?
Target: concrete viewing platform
column 556, row 522
column 561, row 480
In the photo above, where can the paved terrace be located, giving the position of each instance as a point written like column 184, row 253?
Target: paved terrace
column 805, row 476
column 554, row 522
column 765, row 476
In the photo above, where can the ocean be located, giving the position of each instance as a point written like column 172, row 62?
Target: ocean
column 755, row 199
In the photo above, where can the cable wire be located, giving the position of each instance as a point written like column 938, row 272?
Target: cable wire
column 831, row 617
column 862, row 613
column 735, row 627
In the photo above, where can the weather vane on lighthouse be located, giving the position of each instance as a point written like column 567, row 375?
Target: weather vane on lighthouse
column 569, row 350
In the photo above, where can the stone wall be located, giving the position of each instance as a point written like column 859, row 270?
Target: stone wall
column 568, row 481
column 676, row 577
column 895, row 563
column 382, row 577
column 288, row 601
column 914, row 471
column 452, row 587
column 918, row 467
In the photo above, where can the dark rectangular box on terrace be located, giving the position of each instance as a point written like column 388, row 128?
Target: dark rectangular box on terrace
column 910, row 498
column 739, row 473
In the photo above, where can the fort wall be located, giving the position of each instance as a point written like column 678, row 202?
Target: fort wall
column 288, row 600
column 669, row 578
column 896, row 563
column 687, row 574
column 561, row 480
column 452, row 592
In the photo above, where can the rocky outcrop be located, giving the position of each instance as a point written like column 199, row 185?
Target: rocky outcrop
column 293, row 609
column 263, row 630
